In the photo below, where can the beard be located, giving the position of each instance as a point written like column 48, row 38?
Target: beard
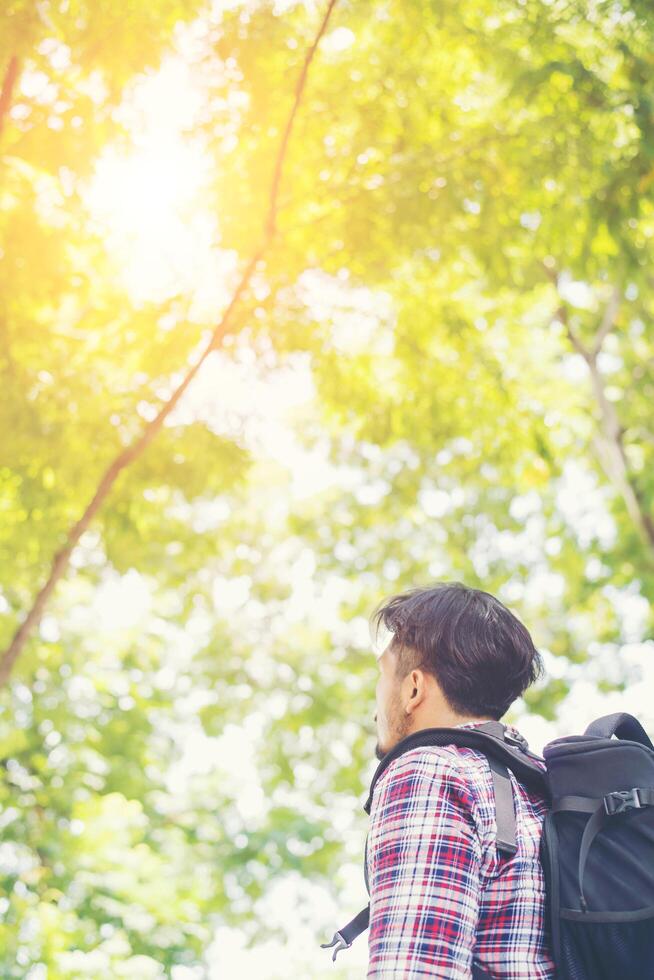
column 399, row 726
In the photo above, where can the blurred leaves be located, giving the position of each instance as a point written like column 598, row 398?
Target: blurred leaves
column 194, row 721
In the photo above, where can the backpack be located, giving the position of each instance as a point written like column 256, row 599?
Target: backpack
column 597, row 844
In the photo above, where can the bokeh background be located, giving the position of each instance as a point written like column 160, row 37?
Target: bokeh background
column 432, row 224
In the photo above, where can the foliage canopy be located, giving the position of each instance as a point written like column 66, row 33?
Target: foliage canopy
column 461, row 274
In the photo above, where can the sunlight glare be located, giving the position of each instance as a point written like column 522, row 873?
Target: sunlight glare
column 145, row 200
column 148, row 199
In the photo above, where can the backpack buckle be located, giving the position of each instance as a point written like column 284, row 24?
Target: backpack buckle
column 622, row 800
column 518, row 740
column 339, row 942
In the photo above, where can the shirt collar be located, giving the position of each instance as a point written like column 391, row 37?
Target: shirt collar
column 473, row 724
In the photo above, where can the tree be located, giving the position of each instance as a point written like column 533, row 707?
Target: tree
column 462, row 224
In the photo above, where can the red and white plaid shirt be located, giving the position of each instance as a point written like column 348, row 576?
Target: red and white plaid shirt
column 439, row 890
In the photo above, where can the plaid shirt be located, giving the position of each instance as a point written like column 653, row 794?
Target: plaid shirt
column 439, row 890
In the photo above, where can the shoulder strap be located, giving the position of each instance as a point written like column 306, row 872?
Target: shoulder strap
column 503, row 751
column 505, row 835
column 491, row 738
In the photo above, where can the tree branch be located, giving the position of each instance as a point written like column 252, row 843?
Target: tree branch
column 7, row 91
column 608, row 320
column 130, row 454
column 609, row 442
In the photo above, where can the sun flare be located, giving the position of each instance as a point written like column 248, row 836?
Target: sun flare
column 148, row 199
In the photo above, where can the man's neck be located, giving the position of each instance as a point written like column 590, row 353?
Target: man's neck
column 445, row 719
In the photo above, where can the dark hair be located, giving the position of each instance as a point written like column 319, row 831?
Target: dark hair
column 481, row 655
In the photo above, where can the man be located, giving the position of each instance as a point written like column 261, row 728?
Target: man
column 439, row 889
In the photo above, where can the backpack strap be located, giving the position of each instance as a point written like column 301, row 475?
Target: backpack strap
column 609, row 806
column 504, row 808
column 503, row 752
column 491, row 739
column 621, row 724
column 505, row 835
column 344, row 938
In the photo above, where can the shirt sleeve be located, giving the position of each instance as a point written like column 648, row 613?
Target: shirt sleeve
column 424, row 868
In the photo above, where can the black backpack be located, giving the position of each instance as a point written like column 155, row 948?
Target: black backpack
column 597, row 845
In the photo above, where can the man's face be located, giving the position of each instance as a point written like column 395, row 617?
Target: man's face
column 392, row 722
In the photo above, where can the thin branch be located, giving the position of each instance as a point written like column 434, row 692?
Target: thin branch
column 609, row 442
column 605, row 327
column 130, row 454
column 299, row 89
column 614, row 460
column 7, row 91
column 608, row 320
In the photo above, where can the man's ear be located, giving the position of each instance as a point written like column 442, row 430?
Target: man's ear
column 415, row 691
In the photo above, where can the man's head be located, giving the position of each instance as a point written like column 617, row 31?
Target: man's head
column 456, row 654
